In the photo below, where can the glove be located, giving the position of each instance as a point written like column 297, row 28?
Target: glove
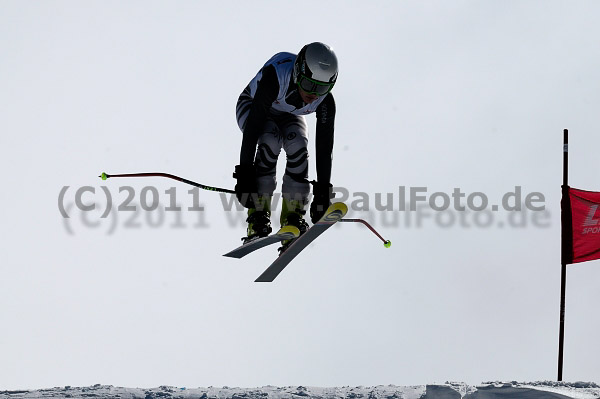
column 322, row 195
column 246, row 188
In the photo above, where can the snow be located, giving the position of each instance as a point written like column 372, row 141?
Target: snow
column 448, row 390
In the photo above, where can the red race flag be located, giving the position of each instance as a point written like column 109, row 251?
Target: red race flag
column 583, row 209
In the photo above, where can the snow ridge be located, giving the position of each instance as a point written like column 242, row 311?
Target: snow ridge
column 448, row 390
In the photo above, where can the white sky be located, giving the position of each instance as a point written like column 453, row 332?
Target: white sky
column 438, row 94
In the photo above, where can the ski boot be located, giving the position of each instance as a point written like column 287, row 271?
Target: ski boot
column 292, row 214
column 259, row 220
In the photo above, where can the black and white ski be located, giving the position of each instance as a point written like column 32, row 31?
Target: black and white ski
column 285, row 233
column 334, row 213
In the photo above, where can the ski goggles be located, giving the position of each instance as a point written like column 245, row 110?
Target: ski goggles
column 315, row 87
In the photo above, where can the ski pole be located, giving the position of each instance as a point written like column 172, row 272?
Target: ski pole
column 386, row 243
column 105, row 176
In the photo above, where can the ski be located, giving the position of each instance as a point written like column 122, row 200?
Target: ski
column 285, row 233
column 334, row 213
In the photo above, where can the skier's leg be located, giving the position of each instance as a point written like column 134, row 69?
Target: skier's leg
column 268, row 149
column 295, row 188
column 295, row 143
column 269, row 145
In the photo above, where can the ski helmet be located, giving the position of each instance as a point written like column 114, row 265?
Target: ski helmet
column 316, row 68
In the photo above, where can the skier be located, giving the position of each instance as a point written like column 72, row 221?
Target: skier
column 270, row 112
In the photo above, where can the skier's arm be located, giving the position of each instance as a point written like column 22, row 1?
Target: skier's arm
column 324, row 138
column 266, row 93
